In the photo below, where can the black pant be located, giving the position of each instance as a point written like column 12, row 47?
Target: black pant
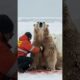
column 24, row 62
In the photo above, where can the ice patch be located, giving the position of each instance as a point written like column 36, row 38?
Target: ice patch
column 40, row 76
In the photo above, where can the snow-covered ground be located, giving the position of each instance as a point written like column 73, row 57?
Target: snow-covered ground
column 40, row 76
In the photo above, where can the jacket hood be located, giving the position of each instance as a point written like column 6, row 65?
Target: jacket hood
column 24, row 37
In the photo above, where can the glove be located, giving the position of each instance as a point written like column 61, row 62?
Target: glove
column 41, row 48
column 35, row 50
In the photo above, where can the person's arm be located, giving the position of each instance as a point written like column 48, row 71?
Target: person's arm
column 35, row 50
column 29, row 47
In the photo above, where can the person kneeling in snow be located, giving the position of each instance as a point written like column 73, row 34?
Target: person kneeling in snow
column 25, row 47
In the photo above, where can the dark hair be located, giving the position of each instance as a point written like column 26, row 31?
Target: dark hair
column 6, row 24
column 28, row 34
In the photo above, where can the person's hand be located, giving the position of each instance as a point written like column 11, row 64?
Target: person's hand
column 36, row 50
column 41, row 48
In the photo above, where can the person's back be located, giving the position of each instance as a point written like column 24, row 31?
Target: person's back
column 7, row 58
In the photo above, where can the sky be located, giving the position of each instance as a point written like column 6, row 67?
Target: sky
column 39, row 8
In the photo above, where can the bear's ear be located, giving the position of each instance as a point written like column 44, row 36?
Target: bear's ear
column 46, row 28
column 37, row 22
column 34, row 25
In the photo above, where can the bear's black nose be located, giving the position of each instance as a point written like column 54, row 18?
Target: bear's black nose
column 40, row 24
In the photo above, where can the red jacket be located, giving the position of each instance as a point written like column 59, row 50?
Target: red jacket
column 25, row 44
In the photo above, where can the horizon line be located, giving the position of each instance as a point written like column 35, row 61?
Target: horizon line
column 24, row 19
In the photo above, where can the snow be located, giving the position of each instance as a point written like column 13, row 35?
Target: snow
column 40, row 76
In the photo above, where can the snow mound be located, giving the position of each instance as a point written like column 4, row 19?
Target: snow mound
column 40, row 76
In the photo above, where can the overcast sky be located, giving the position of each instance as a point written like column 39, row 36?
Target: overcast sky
column 39, row 8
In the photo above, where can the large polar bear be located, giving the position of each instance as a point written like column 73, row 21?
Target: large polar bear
column 51, row 55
